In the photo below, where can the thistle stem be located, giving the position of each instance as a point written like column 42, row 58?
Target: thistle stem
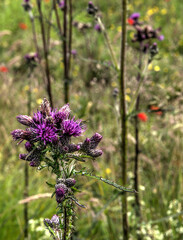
column 123, row 113
column 47, row 69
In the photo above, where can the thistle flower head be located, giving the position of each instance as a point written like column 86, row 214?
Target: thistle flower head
column 98, row 28
column 135, row 16
column 28, row 146
column 73, row 128
column 61, row 5
column 45, row 132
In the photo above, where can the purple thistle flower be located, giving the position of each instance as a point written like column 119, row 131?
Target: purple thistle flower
column 45, row 132
column 61, row 5
column 98, row 28
column 25, row 120
column 161, row 38
column 135, row 16
column 26, row 1
column 73, row 128
column 38, row 117
column 74, row 53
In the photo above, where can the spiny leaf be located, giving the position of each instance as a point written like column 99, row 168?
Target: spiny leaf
column 124, row 189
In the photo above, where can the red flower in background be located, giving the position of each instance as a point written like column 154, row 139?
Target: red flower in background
column 3, row 69
column 155, row 109
column 142, row 117
column 130, row 21
column 23, row 26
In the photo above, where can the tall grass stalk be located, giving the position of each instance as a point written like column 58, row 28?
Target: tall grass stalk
column 45, row 49
column 123, row 113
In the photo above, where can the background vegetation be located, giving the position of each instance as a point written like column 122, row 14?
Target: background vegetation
column 91, row 98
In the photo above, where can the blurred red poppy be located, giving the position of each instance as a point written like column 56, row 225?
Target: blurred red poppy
column 3, row 69
column 142, row 117
column 130, row 21
column 23, row 26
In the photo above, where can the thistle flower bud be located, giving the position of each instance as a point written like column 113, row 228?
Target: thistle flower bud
column 60, row 190
column 98, row 28
column 92, row 10
column 55, row 220
column 115, row 92
column 34, row 163
column 73, row 148
column 70, row 182
column 26, row 5
column 28, row 146
column 95, row 153
column 48, row 222
column 22, row 156
column 25, row 120
column 20, row 134
column 94, row 140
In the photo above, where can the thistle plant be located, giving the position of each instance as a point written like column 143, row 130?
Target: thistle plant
column 48, row 135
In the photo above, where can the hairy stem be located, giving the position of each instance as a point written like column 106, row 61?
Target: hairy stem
column 47, row 69
column 123, row 113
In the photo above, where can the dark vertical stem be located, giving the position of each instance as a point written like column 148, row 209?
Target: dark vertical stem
column 49, row 26
column 47, row 69
column 123, row 113
column 35, row 38
column 66, row 75
column 70, row 33
column 57, row 19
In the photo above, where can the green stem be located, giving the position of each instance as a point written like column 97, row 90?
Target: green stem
column 123, row 144
column 108, row 43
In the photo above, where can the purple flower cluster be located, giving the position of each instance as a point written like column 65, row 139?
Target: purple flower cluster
column 55, row 128
column 61, row 5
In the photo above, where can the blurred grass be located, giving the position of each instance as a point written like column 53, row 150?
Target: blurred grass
column 92, row 85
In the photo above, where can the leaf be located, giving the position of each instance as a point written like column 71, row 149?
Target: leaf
column 124, row 189
column 50, row 185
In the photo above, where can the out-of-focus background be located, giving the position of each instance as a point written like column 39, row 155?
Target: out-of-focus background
column 92, row 99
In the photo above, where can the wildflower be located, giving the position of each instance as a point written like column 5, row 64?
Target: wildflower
column 142, row 117
column 108, row 170
column 31, row 59
column 74, row 53
column 133, row 19
column 23, row 26
column 115, row 92
column 61, row 5
column 98, row 28
column 25, row 120
column 73, row 128
column 155, row 109
column 45, row 132
column 161, row 38
column 3, row 69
